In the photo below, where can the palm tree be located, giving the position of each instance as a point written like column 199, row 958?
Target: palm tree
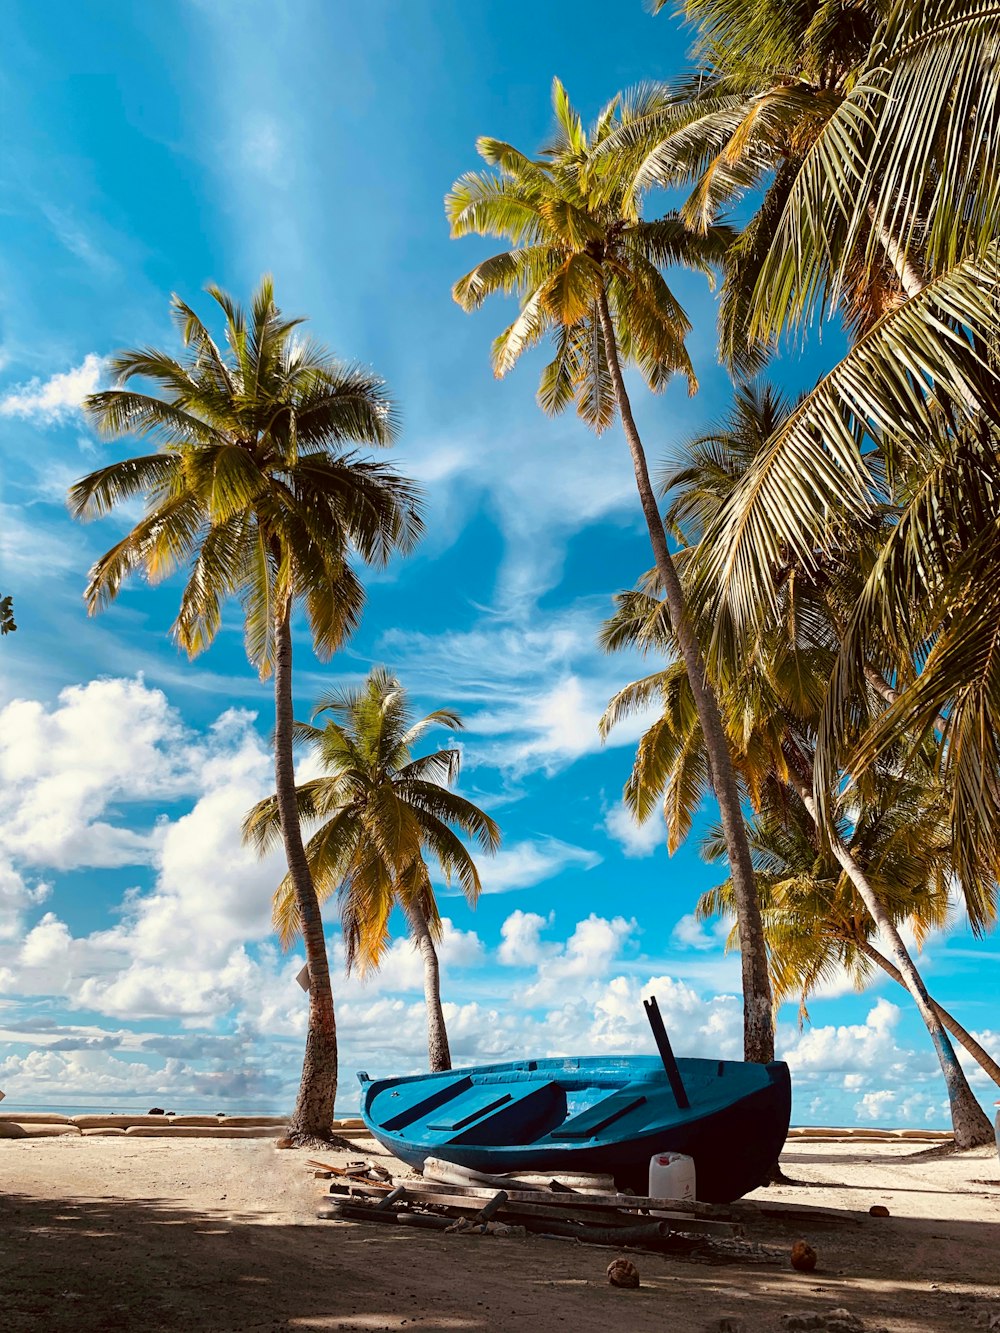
column 380, row 813
column 256, row 492
column 813, row 920
column 587, row 268
column 874, row 132
column 772, row 696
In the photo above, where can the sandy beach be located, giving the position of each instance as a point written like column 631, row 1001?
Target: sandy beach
column 220, row 1235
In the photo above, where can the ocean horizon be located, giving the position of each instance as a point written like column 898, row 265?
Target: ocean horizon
column 134, row 1107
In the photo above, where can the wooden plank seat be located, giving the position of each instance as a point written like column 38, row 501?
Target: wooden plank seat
column 600, row 1115
column 486, row 1114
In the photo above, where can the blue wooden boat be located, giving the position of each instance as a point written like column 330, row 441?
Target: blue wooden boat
column 598, row 1115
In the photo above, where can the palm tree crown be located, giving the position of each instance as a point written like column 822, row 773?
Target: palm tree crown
column 381, row 813
column 254, row 485
column 578, row 239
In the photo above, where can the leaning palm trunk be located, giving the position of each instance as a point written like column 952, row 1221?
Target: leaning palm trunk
column 758, row 1016
column 438, row 1051
column 313, row 1114
column 962, row 1036
column 971, row 1126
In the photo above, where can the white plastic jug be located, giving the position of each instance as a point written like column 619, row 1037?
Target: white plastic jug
column 671, row 1176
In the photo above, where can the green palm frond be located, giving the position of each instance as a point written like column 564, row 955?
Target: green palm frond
column 254, row 489
column 814, row 474
column 571, row 217
column 380, row 813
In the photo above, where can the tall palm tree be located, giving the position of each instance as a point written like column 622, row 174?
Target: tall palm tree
column 587, row 269
column 772, row 740
column 256, row 492
column 813, row 920
column 772, row 696
column 380, row 813
column 875, row 144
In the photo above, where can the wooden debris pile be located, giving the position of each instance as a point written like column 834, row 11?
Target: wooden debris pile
column 463, row 1204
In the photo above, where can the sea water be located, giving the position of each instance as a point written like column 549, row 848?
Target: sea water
column 9, row 1106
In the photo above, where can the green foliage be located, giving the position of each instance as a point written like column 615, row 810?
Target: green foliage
column 895, row 813
column 380, row 812
column 814, row 922
column 7, row 624
column 579, row 239
column 255, row 488
column 872, row 131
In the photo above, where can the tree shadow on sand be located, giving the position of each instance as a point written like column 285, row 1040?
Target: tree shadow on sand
column 83, row 1265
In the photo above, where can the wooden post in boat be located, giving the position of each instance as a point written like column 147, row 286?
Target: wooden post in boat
column 666, row 1054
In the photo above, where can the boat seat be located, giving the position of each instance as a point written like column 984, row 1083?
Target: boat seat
column 416, row 1104
column 488, row 1116
column 468, row 1109
column 600, row 1115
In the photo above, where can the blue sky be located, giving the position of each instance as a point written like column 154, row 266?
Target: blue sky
column 151, row 149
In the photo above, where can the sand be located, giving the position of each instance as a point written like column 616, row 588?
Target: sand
column 203, row 1236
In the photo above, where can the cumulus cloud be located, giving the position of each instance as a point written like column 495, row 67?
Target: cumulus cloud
column 16, row 896
column 868, row 1045
column 522, row 945
column 876, row 1105
column 63, row 767
column 56, row 399
column 635, row 839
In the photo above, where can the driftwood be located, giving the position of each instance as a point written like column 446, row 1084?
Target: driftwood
column 645, row 1235
column 677, row 1207
column 574, row 1207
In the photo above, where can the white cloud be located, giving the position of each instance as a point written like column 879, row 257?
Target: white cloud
column 191, row 945
column 521, row 935
column 635, row 839
column 552, row 727
column 690, row 933
column 868, row 1045
column 63, row 767
column 528, row 863
column 531, row 693
column 16, row 897
column 876, row 1105
column 57, row 398
column 457, row 950
column 583, row 961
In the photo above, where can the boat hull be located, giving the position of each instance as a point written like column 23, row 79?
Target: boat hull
column 734, row 1129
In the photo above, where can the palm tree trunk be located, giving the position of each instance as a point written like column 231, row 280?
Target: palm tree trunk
column 438, row 1052
column 313, row 1114
column 758, row 1013
column 964, row 1038
column 969, row 1121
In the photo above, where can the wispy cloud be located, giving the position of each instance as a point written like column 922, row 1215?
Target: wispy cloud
column 528, row 863
column 56, row 399
column 70, row 233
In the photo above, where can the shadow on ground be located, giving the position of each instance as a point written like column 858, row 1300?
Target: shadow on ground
column 84, row 1265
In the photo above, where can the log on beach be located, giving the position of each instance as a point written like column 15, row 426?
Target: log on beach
column 118, row 1121
column 211, row 1131
column 253, row 1121
column 10, row 1129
